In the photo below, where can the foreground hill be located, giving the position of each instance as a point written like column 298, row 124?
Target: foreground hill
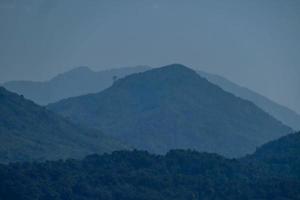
column 282, row 155
column 173, row 107
column 78, row 81
column 283, row 114
column 138, row 175
column 30, row 132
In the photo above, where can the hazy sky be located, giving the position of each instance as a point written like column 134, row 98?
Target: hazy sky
column 255, row 43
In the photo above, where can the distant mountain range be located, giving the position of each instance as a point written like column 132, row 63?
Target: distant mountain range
column 284, row 114
column 271, row 173
column 76, row 82
column 29, row 132
column 82, row 81
column 173, row 107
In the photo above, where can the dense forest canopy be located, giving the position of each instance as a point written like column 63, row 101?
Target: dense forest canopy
column 178, row 175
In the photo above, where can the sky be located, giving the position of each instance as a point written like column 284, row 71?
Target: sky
column 255, row 43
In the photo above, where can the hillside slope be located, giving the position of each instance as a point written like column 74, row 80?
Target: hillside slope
column 173, row 107
column 282, row 113
column 281, row 156
column 30, row 132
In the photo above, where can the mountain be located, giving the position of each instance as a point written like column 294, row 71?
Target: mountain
column 283, row 114
column 31, row 132
column 82, row 81
column 76, row 82
column 138, row 175
column 173, row 107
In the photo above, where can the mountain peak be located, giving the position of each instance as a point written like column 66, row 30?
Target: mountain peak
column 73, row 73
column 169, row 75
column 175, row 68
column 173, row 107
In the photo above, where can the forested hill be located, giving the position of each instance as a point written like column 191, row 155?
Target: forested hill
column 138, row 175
column 173, row 107
column 282, row 155
column 31, row 132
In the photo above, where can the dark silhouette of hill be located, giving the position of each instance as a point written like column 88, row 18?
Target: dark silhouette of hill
column 282, row 155
column 178, row 175
column 286, row 147
column 282, row 113
column 76, row 82
column 173, row 107
column 31, row 132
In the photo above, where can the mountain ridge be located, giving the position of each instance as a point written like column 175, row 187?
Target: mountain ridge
column 173, row 107
column 282, row 113
column 83, row 80
column 76, row 82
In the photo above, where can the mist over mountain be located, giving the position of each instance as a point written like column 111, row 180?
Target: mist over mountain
column 29, row 132
column 173, row 107
column 83, row 80
column 282, row 113
column 78, row 81
column 254, row 43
